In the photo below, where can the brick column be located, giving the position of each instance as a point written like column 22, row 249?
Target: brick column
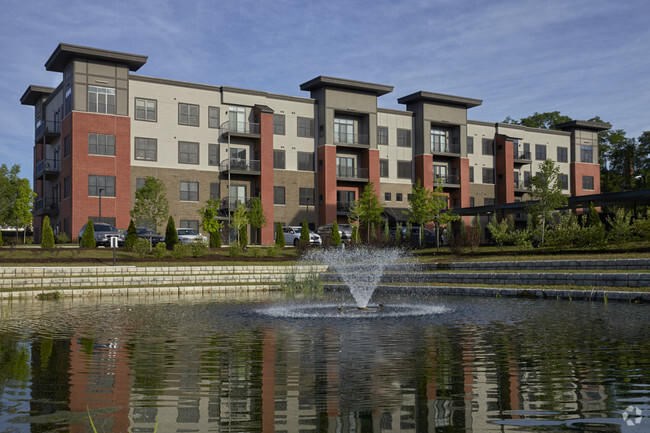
column 265, row 186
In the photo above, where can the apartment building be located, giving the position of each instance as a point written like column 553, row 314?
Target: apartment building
column 104, row 129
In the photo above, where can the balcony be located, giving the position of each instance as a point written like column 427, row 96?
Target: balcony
column 47, row 167
column 351, row 174
column 241, row 166
column 521, row 187
column 522, row 158
column 343, row 207
column 241, row 129
column 48, row 130
column 46, row 206
column 452, row 150
column 448, row 181
column 347, row 139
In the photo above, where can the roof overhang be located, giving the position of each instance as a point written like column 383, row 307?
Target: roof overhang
column 341, row 83
column 583, row 124
column 34, row 93
column 64, row 53
column 439, row 98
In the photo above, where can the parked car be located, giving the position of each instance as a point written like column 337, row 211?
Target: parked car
column 345, row 230
column 292, row 236
column 148, row 234
column 103, row 234
column 428, row 238
column 188, row 236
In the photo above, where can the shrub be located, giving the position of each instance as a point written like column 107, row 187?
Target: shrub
column 335, row 236
column 620, row 227
column 88, row 238
column 160, row 250
column 47, row 235
column 234, row 250
column 131, row 235
column 1, row 241
column 273, row 250
column 256, row 251
column 499, row 230
column 198, row 249
column 593, row 237
column 181, row 251
column 565, row 233
column 640, row 227
column 474, row 238
column 215, row 239
column 62, row 238
column 171, row 235
column 243, row 236
column 141, row 247
column 523, row 239
column 279, row 236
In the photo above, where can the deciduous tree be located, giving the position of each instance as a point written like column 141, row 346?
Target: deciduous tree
column 546, row 189
column 367, row 209
column 210, row 222
column 151, row 206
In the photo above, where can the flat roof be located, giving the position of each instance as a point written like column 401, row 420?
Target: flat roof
column 583, row 124
column 323, row 81
column 439, row 98
column 34, row 93
column 64, row 53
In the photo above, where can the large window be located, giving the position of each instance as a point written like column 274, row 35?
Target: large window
column 440, row 172
column 188, row 152
column 278, row 195
column 488, row 175
column 101, row 100
column 145, row 109
column 383, row 168
column 236, row 118
column 278, row 124
column 146, row 149
column 189, row 191
column 345, row 166
column 188, row 114
column 586, row 154
column 587, row 182
column 101, row 144
column 105, row 183
column 382, row 135
column 213, row 117
column 279, row 159
column 404, row 169
column 305, row 127
column 562, row 154
column 470, row 144
column 540, row 152
column 343, row 130
column 306, row 161
column 439, row 140
column 488, row 146
column 344, row 199
column 306, row 196
column 404, row 137
column 237, row 195
column 213, row 154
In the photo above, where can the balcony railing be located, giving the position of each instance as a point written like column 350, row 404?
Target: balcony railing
column 47, row 166
column 49, row 127
column 351, row 172
column 343, row 206
column 350, row 138
column 246, row 128
column 241, row 165
column 522, row 156
column 521, row 186
column 449, row 179
column 448, row 148
column 46, row 206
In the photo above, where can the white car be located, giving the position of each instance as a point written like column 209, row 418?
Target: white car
column 189, row 236
column 292, row 236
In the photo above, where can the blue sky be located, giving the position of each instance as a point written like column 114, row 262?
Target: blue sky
column 583, row 58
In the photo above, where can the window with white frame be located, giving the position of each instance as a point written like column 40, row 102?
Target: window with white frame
column 101, row 100
column 236, row 118
column 345, row 166
column 343, row 130
column 213, row 117
column 439, row 140
column 145, row 109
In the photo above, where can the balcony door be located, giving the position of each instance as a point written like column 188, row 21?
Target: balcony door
column 343, row 130
column 345, row 166
column 237, row 119
column 237, row 158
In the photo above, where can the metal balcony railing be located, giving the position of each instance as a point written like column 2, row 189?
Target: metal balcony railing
column 522, row 155
column 241, row 128
column 343, row 206
column 46, row 205
column 351, row 172
column 47, row 165
column 243, row 165
column 350, row 138
column 449, row 179
column 49, row 127
column 446, row 148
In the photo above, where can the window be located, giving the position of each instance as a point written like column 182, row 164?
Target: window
column 190, row 224
column 488, row 146
column 471, row 202
column 526, row 151
column 188, row 114
column 213, row 154
column 189, row 191
column 404, row 137
column 66, row 146
column 526, row 178
column 306, row 196
column 146, row 149
column 278, row 124
column 278, row 195
column 438, row 140
column 382, row 135
column 68, row 102
column 586, row 154
column 101, row 144
column 470, row 144
column 213, row 117
column 105, row 183
column 398, row 197
column 306, row 161
column 587, row 182
column 305, row 127
column 562, row 154
column 215, row 194
column 145, row 109
column 488, row 175
column 343, row 130
column 188, row 152
column 237, row 195
column 387, row 196
column 66, row 187
column 564, row 180
column 279, row 160
column 404, row 169
column 383, row 168
column 440, row 173
column 471, row 174
column 101, row 100
column 345, row 166
column 139, row 183
column 540, row 152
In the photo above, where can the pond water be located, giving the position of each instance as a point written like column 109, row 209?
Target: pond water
column 258, row 363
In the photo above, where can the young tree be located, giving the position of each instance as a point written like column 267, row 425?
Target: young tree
column 131, row 235
column 367, row 209
column 304, row 233
column 210, row 222
column 47, row 234
column 88, row 238
column 239, row 221
column 545, row 187
column 335, row 235
column 16, row 199
column 279, row 236
column 500, row 230
column 593, row 218
column 151, row 206
column 171, row 235
column 427, row 206
column 256, row 216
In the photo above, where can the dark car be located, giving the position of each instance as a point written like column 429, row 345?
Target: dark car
column 149, row 234
column 103, row 234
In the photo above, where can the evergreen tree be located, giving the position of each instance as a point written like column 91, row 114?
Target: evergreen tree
column 593, row 218
column 279, row 236
column 335, row 236
column 131, row 235
column 304, row 233
column 243, row 236
column 88, row 238
column 47, row 234
column 171, row 235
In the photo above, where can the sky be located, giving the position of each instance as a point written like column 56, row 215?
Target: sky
column 584, row 58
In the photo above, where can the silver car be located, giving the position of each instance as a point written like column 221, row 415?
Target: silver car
column 292, row 236
column 189, row 236
column 103, row 234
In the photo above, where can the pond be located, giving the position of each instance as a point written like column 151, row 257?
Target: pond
column 259, row 363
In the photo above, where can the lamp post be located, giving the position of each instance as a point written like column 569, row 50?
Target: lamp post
column 100, row 203
column 307, row 217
